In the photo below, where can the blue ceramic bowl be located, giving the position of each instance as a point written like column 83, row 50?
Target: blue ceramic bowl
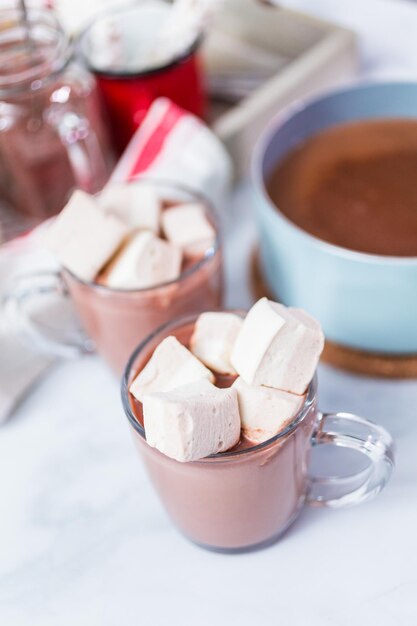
column 363, row 301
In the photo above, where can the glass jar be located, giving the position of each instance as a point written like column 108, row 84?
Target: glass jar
column 52, row 136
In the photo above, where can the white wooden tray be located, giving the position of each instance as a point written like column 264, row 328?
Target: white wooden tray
column 259, row 58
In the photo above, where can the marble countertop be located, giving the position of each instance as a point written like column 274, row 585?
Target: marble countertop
column 84, row 540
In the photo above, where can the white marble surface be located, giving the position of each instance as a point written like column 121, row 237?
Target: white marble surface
column 84, row 540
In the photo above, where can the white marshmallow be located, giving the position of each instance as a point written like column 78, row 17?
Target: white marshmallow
column 170, row 366
column 137, row 205
column 192, row 421
column 145, row 261
column 278, row 347
column 83, row 237
column 188, row 227
column 265, row 411
column 213, row 339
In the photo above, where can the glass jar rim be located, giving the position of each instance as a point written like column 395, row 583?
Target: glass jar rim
column 177, row 323
column 56, row 54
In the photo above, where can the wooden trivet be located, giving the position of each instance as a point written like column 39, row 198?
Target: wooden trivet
column 352, row 360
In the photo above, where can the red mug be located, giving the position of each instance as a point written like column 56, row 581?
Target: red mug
column 127, row 93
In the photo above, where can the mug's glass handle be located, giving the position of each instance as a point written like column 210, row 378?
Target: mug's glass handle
column 36, row 296
column 356, row 433
column 85, row 155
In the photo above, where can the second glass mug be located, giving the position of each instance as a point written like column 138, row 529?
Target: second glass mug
column 115, row 320
column 247, row 498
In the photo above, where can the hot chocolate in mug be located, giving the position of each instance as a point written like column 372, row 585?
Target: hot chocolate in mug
column 115, row 320
column 248, row 496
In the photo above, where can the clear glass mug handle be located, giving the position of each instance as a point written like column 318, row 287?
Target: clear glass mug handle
column 84, row 152
column 356, row 433
column 24, row 305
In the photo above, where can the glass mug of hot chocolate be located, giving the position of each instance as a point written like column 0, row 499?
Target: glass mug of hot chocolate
column 223, row 411
column 131, row 258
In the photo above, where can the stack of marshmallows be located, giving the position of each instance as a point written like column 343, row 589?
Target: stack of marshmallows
column 127, row 238
column 272, row 355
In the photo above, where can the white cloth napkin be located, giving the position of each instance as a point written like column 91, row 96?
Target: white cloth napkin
column 20, row 366
column 177, row 147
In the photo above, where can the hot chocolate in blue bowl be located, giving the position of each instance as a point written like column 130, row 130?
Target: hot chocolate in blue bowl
column 336, row 205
